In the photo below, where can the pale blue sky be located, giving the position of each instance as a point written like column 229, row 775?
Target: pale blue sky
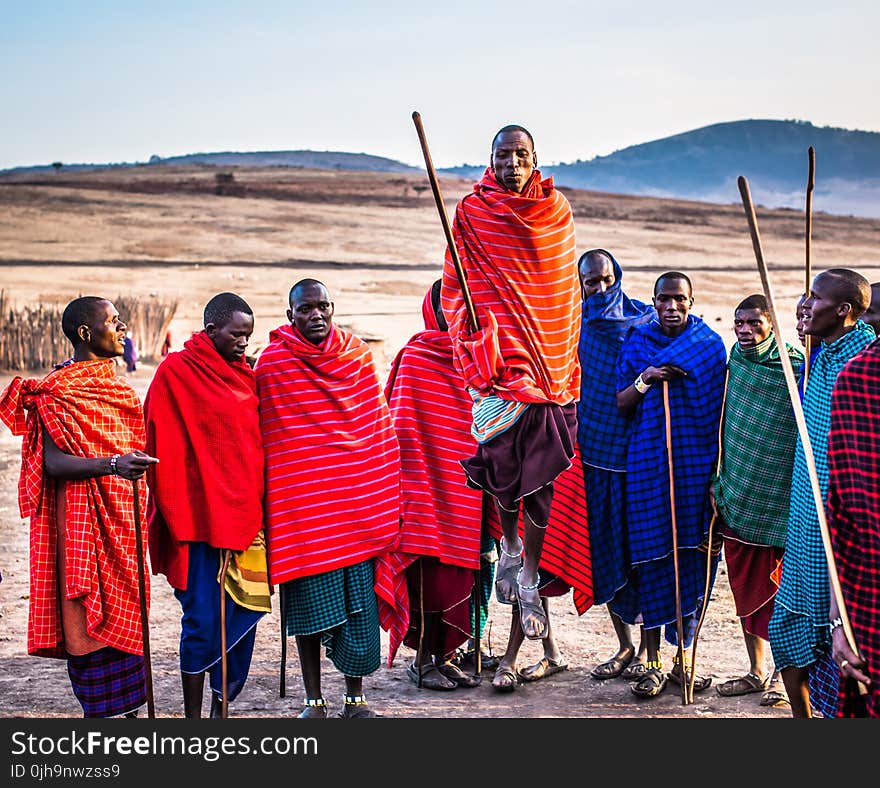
column 119, row 81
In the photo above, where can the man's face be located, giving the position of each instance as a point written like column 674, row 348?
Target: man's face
column 311, row 311
column 751, row 327
column 513, row 160
column 823, row 311
column 105, row 337
column 673, row 302
column 799, row 315
column 872, row 314
column 596, row 274
column 231, row 338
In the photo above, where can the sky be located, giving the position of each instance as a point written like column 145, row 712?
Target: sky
column 109, row 82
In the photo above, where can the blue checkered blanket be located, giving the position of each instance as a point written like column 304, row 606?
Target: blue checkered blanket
column 695, row 411
column 605, row 320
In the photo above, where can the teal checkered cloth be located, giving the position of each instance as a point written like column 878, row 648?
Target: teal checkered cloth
column 758, row 439
column 799, row 626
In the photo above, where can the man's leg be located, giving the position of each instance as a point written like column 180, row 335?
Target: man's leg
column 553, row 661
column 355, row 706
column 193, row 688
column 532, row 613
column 653, row 680
column 309, row 649
column 511, row 556
column 506, row 677
column 797, row 685
column 613, row 667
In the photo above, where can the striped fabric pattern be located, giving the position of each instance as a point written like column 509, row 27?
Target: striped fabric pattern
column 695, row 412
column 759, row 433
column 442, row 516
column 853, row 510
column 332, row 458
column 492, row 415
column 799, row 626
column 518, row 253
column 88, row 412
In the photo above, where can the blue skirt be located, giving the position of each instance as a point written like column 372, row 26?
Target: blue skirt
column 200, row 625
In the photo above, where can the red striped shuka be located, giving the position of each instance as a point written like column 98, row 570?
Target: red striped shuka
column 88, row 412
column 332, row 458
column 853, row 509
column 518, row 255
column 442, row 516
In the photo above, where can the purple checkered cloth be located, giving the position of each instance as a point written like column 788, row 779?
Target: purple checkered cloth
column 108, row 682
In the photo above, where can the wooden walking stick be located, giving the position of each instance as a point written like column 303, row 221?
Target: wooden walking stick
column 693, row 676
column 142, row 593
column 224, row 701
column 447, row 229
column 465, row 292
column 282, row 679
column 679, row 625
column 797, row 406
column 808, row 277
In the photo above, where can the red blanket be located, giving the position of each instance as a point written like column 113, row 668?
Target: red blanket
column 203, row 423
column 332, row 459
column 442, row 516
column 88, row 412
column 518, row 252
column 853, row 509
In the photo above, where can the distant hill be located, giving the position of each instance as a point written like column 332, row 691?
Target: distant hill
column 704, row 164
column 307, row 159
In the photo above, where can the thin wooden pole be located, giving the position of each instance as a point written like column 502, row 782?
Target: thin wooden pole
column 798, row 408
column 679, row 624
column 224, row 700
column 142, row 593
column 808, row 275
column 447, row 229
column 282, row 678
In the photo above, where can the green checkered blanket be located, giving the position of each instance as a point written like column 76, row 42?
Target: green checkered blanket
column 759, row 434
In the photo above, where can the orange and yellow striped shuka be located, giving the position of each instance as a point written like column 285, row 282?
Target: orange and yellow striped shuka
column 332, row 458
column 88, row 412
column 518, row 254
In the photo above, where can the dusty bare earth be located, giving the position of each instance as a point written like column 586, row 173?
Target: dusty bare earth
column 377, row 242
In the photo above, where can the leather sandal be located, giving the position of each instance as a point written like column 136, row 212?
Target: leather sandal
column 612, row 668
column 651, row 684
column 543, row 668
column 455, row 674
column 430, row 677
column 505, row 679
column 530, row 611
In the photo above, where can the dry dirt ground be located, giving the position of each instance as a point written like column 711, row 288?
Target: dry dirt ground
column 377, row 241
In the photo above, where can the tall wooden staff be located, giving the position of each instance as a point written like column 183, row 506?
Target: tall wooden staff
column 447, row 229
column 142, row 593
column 224, row 700
column 808, row 276
column 679, row 624
column 475, row 326
column 796, row 405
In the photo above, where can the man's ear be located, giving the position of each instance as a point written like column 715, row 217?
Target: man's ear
column 289, row 316
column 844, row 308
column 534, row 158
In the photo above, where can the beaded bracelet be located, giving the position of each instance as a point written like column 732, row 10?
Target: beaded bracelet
column 113, row 468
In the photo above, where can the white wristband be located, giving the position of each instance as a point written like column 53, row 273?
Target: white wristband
column 641, row 386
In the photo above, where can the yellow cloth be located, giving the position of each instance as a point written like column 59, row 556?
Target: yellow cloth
column 247, row 576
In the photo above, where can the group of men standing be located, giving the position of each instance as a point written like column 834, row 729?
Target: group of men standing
column 604, row 445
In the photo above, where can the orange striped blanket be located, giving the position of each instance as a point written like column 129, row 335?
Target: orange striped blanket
column 518, row 253
column 88, row 412
column 332, row 458
column 442, row 516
